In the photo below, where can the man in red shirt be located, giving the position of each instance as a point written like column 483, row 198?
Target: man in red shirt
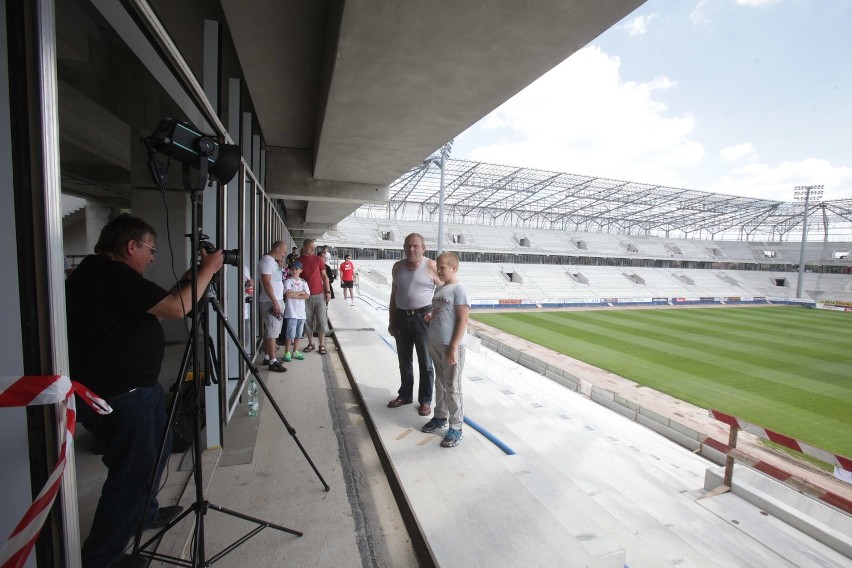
column 347, row 278
column 313, row 271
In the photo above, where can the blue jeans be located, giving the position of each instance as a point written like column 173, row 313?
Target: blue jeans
column 411, row 333
column 131, row 438
column 295, row 328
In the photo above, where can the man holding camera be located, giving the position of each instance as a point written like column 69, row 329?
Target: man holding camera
column 116, row 347
column 272, row 302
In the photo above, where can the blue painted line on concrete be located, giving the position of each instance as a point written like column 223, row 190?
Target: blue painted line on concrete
column 494, row 439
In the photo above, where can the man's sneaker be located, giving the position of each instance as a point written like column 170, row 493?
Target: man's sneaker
column 266, row 361
column 433, row 425
column 451, row 438
column 165, row 515
column 277, row 367
column 298, row 355
column 288, row 357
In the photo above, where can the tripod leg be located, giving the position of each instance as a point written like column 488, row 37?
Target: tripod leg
column 247, row 359
column 253, row 519
column 213, row 363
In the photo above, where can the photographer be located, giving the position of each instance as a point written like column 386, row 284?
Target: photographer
column 116, row 347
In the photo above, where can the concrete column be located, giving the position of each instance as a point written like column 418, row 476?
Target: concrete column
column 97, row 216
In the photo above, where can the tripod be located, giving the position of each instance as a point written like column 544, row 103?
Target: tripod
column 200, row 506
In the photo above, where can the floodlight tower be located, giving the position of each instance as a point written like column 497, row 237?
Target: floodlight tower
column 442, row 161
column 805, row 192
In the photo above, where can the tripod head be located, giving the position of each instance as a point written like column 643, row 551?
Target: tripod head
column 230, row 257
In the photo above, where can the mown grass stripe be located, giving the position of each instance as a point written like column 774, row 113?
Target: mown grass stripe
column 733, row 325
column 751, row 358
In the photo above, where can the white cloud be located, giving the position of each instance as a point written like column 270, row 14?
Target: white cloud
column 697, row 15
column 583, row 118
column 738, row 152
column 777, row 182
column 639, row 24
column 756, row 3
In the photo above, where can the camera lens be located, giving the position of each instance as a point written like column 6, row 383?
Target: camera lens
column 231, row 257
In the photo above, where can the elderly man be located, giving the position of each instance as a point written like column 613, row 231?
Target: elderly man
column 116, row 347
column 313, row 272
column 414, row 280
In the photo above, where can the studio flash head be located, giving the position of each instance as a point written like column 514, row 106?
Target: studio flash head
column 180, row 140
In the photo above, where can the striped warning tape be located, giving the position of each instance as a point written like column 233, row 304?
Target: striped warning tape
column 33, row 391
column 787, row 478
column 835, row 459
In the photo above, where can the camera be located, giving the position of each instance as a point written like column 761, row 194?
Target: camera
column 230, row 257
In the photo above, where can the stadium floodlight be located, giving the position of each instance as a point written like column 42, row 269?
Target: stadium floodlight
column 805, row 193
column 441, row 161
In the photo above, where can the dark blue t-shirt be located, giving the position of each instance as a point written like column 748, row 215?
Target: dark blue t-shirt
column 114, row 345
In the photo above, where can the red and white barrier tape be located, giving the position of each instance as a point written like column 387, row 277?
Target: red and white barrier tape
column 835, row 459
column 798, row 483
column 32, row 391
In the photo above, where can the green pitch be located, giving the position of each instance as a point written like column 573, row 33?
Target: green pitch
column 788, row 369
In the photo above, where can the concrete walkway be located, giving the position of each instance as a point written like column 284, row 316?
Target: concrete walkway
column 586, row 487
column 356, row 523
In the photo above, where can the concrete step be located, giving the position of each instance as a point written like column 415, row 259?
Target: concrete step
column 652, row 490
column 470, row 508
column 816, row 520
column 789, row 543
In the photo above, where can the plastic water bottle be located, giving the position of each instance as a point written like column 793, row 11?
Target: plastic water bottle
column 253, row 400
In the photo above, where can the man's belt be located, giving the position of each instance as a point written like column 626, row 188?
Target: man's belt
column 418, row 311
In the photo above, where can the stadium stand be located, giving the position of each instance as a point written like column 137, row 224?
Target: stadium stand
column 604, row 266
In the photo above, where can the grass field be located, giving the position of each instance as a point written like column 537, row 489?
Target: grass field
column 788, row 369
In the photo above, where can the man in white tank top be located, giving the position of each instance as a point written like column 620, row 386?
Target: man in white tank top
column 414, row 281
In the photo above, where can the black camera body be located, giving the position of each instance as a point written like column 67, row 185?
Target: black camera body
column 230, row 257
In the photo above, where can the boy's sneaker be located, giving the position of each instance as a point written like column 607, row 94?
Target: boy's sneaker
column 298, row 355
column 433, row 425
column 287, row 357
column 451, row 438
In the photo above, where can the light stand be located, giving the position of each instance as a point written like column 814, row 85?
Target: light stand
column 199, row 319
column 806, row 192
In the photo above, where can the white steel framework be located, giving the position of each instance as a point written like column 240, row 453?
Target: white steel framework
column 492, row 194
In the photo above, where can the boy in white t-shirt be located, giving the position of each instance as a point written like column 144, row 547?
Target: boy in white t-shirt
column 296, row 291
column 447, row 340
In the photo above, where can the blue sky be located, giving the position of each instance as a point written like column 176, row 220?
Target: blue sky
column 741, row 97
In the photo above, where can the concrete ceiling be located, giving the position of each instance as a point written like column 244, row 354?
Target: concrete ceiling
column 351, row 94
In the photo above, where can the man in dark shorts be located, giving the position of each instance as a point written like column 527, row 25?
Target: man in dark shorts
column 347, row 278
